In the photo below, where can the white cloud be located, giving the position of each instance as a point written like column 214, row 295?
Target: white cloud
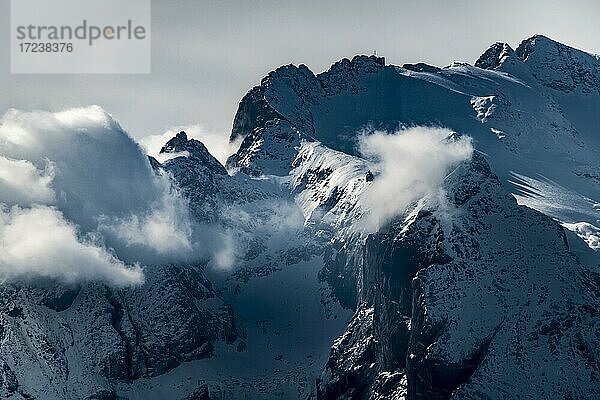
column 99, row 183
column 38, row 242
column 275, row 221
column 226, row 255
column 217, row 143
column 166, row 227
column 22, row 183
column 409, row 165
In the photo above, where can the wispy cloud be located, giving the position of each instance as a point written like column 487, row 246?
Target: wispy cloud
column 409, row 165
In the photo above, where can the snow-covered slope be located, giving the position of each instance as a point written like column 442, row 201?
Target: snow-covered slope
column 260, row 327
column 285, row 315
column 526, row 121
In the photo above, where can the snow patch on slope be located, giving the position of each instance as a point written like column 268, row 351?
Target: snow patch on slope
column 588, row 232
column 568, row 207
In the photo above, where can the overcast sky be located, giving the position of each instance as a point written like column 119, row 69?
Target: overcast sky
column 207, row 54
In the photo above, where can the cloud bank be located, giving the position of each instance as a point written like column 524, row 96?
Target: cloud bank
column 409, row 165
column 217, row 143
column 79, row 201
column 22, row 183
column 39, row 243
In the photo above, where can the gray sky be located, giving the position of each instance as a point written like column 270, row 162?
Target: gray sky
column 207, row 54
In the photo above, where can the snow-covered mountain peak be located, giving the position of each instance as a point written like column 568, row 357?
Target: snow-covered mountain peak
column 544, row 45
column 181, row 146
column 290, row 70
column 493, row 57
column 560, row 67
column 359, row 63
column 178, row 140
column 513, row 103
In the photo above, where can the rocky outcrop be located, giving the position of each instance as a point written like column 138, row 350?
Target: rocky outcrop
column 200, row 393
column 560, row 67
column 194, row 151
column 193, row 166
column 253, row 112
column 269, row 139
column 351, row 368
column 82, row 341
column 449, row 308
column 493, row 57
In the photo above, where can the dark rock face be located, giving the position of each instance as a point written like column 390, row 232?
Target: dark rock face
column 100, row 335
column 344, row 75
column 201, row 393
column 253, row 121
column 351, row 370
column 154, row 163
column 390, row 265
column 379, row 333
column 431, row 379
column 278, row 143
column 253, row 112
column 193, row 167
column 421, row 67
column 445, row 304
column 197, row 153
column 166, row 316
column 492, row 57
column 269, row 138
column 8, row 381
column 340, row 271
column 61, row 298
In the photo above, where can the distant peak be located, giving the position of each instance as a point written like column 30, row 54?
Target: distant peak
column 361, row 58
column 545, row 44
column 357, row 61
column 538, row 38
column 192, row 149
column 559, row 66
column 421, row 67
column 494, row 56
column 288, row 70
column 360, row 64
column 534, row 43
column 182, row 136
column 177, row 143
